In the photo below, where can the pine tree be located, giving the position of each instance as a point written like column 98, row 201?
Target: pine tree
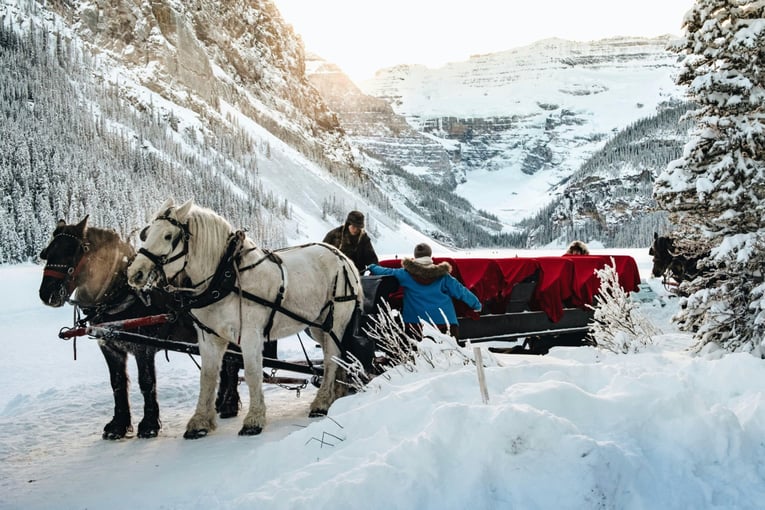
column 716, row 190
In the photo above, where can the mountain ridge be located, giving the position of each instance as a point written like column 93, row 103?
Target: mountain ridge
column 523, row 120
column 231, row 103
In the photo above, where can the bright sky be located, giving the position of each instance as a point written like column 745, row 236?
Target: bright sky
column 362, row 36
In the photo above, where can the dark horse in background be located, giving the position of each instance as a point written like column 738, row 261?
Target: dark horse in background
column 93, row 262
column 670, row 263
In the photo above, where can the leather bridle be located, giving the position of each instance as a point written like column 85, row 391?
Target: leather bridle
column 160, row 261
column 66, row 272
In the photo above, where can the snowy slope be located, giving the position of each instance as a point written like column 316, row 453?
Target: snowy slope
column 577, row 428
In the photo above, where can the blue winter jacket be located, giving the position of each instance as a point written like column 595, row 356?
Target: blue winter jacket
column 428, row 289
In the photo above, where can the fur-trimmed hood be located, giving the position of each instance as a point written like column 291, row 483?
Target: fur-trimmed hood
column 424, row 271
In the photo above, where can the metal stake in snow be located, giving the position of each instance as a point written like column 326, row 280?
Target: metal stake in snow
column 481, row 375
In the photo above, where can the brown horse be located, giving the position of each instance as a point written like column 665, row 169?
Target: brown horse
column 93, row 262
column 669, row 262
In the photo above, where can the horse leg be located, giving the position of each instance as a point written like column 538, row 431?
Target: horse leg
column 203, row 420
column 147, row 380
column 227, row 403
column 330, row 389
column 252, row 354
column 116, row 360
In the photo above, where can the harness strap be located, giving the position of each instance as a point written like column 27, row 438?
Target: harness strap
column 204, row 327
column 279, row 296
column 225, row 281
column 277, row 304
column 279, row 308
column 160, row 261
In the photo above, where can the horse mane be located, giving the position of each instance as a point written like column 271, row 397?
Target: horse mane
column 101, row 237
column 209, row 234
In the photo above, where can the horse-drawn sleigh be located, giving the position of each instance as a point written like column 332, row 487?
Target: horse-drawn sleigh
column 239, row 296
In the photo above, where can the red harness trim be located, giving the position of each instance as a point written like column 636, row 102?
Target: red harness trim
column 58, row 275
column 71, row 272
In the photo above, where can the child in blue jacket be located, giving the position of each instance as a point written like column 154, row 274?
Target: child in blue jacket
column 428, row 290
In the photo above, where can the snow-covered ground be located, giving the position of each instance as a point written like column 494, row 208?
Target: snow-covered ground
column 577, row 428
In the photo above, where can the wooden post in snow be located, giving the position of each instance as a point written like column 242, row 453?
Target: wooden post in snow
column 481, row 376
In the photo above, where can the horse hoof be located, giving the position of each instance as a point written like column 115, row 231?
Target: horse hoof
column 194, row 434
column 228, row 411
column 250, row 431
column 113, row 433
column 317, row 413
column 148, row 429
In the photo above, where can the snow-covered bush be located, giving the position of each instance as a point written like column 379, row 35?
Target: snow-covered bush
column 617, row 324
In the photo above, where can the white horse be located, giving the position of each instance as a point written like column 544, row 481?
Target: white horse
column 270, row 295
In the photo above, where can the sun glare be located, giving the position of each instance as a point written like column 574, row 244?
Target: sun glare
column 363, row 36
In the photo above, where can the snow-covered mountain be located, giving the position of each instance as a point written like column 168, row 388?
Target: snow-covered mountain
column 132, row 102
column 508, row 129
column 217, row 101
column 514, row 124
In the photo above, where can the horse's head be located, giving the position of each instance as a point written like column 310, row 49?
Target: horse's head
column 662, row 251
column 64, row 257
column 164, row 245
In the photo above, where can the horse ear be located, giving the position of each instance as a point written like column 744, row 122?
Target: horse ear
column 83, row 224
column 61, row 223
column 183, row 210
column 655, row 235
column 167, row 205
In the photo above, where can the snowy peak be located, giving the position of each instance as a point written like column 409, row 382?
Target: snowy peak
column 518, row 122
column 518, row 79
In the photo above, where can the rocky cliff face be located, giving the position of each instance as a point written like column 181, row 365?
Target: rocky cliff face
column 203, row 54
column 372, row 125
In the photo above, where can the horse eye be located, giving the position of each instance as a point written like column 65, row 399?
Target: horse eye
column 142, row 235
column 168, row 237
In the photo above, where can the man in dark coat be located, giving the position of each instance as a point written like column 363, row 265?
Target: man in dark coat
column 351, row 239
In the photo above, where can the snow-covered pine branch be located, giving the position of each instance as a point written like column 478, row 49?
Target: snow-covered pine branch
column 715, row 192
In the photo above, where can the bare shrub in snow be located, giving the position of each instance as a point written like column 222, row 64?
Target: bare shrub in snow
column 400, row 352
column 618, row 325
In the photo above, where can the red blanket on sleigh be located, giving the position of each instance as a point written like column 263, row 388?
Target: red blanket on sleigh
column 562, row 281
